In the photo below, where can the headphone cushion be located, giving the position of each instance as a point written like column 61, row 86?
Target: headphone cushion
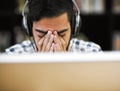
column 27, row 24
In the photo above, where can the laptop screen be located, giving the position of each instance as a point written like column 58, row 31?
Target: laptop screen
column 60, row 72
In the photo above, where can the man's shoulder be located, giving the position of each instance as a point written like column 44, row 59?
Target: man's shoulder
column 23, row 47
column 77, row 45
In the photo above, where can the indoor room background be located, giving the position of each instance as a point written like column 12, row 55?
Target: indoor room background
column 100, row 23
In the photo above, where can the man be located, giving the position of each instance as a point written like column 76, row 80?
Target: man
column 50, row 24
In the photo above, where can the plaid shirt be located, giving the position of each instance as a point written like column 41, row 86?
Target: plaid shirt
column 75, row 46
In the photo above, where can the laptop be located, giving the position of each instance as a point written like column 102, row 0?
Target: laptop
column 60, row 72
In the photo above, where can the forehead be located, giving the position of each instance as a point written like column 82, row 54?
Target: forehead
column 55, row 23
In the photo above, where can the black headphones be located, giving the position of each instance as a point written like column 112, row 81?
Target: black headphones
column 75, row 23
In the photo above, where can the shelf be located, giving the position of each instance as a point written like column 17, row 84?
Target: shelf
column 98, row 27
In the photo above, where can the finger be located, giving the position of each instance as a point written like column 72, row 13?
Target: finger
column 64, row 44
column 56, row 39
column 52, row 47
column 39, row 44
column 49, row 43
column 57, row 48
column 46, row 39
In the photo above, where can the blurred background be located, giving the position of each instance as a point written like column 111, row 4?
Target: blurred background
column 100, row 23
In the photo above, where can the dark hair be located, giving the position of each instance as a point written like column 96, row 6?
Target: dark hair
column 39, row 9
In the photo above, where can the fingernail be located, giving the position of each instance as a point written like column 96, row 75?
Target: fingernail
column 55, row 32
column 52, row 36
column 49, row 32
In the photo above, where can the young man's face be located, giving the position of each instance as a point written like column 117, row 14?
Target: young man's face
column 52, row 34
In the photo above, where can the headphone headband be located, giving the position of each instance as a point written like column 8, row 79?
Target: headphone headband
column 26, row 10
column 78, row 10
column 77, row 16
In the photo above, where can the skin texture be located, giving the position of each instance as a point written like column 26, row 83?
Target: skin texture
column 52, row 34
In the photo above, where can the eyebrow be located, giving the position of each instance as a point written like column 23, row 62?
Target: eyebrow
column 45, row 32
column 41, row 31
column 62, row 31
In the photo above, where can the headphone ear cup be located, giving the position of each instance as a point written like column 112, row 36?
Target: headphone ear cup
column 77, row 20
column 24, row 20
column 24, row 23
column 73, row 26
column 77, row 25
column 27, row 24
